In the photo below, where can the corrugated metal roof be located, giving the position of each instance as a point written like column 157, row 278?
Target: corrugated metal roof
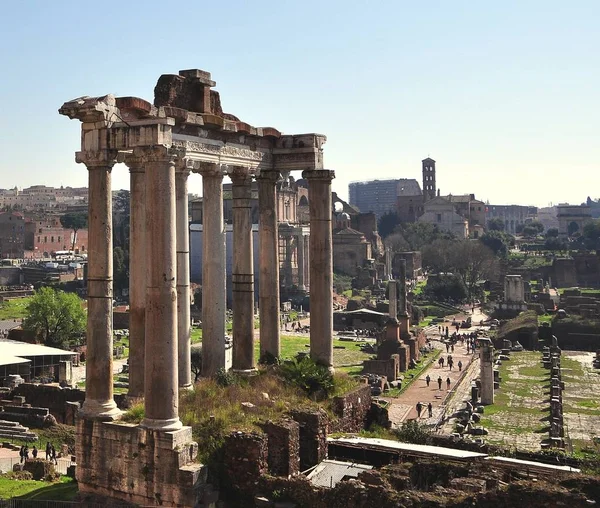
column 15, row 348
column 389, row 445
column 330, row 472
column 12, row 360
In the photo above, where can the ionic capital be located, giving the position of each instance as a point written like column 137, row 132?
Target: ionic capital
column 324, row 175
column 268, row 176
column 240, row 175
column 210, row 169
column 157, row 153
column 97, row 159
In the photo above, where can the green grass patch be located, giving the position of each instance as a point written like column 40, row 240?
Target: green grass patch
column 15, row 308
column 64, row 490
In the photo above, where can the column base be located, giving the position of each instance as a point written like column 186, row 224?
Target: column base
column 187, row 387
column 164, row 425
column 245, row 372
column 105, row 410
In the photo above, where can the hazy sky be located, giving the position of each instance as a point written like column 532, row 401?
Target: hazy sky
column 503, row 95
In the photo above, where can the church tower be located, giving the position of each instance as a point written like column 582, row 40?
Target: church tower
column 429, row 188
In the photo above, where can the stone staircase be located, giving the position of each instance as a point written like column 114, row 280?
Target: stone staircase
column 14, row 430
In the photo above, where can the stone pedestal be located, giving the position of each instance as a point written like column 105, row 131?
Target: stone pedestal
column 137, row 275
column 99, row 402
column 486, row 357
column 243, row 271
column 138, row 465
column 268, row 244
column 183, row 278
column 161, row 383
column 213, row 270
column 321, row 266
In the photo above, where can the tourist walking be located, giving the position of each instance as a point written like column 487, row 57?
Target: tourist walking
column 430, row 409
column 34, row 452
column 448, row 383
column 54, row 449
column 419, row 409
column 427, row 380
column 48, row 451
column 22, row 454
column 439, row 382
column 459, row 364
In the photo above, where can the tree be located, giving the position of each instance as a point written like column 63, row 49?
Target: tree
column 474, row 262
column 387, row 223
column 437, row 256
column 120, row 269
column 497, row 241
column 55, row 317
column 591, row 235
column 196, row 362
column 447, row 286
column 552, row 233
column 554, row 243
column 74, row 221
column 533, row 229
column 495, row 224
column 121, row 215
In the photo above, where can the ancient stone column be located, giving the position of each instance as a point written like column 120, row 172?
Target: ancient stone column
column 161, row 383
column 99, row 402
column 137, row 274
column 486, row 374
column 243, row 271
column 301, row 261
column 213, row 270
column 183, row 277
column 403, row 317
column 321, row 266
column 393, row 291
column 268, row 245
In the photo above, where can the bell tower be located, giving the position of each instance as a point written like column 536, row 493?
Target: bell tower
column 429, row 188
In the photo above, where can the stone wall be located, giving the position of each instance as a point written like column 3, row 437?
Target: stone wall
column 138, row 465
column 314, row 426
column 352, row 410
column 245, row 459
column 283, row 447
column 53, row 397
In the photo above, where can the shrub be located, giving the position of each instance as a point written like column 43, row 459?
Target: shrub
column 135, row 414
column 412, row 432
column 18, row 475
column 225, row 378
column 314, row 379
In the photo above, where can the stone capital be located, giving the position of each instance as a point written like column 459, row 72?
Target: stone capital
column 240, row 175
column 209, row 169
column 319, row 175
column 97, row 159
column 157, row 153
column 135, row 163
column 268, row 176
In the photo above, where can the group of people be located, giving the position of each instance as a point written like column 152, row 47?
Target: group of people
column 439, row 381
column 420, row 407
column 450, row 362
column 50, row 453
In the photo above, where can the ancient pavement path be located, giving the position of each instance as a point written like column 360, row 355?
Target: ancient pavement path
column 404, row 407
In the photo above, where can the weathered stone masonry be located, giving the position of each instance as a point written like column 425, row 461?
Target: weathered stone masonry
column 185, row 131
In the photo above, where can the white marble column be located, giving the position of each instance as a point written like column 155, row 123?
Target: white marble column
column 213, row 270
column 243, row 271
column 137, row 274
column 183, row 277
column 268, row 243
column 99, row 402
column 161, row 383
column 321, row 266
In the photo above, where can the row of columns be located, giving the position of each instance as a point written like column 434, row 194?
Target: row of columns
column 159, row 253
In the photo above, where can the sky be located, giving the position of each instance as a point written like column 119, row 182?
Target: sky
column 503, row 95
